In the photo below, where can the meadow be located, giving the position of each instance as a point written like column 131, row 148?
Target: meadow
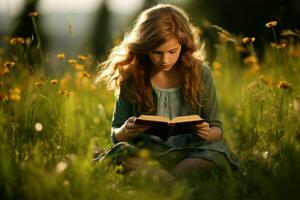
column 52, row 123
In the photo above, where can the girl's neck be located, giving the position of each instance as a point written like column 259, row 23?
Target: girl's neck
column 169, row 79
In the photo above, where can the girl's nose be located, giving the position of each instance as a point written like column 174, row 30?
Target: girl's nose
column 164, row 58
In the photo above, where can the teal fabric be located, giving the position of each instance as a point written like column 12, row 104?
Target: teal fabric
column 170, row 103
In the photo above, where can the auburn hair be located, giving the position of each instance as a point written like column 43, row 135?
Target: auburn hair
column 128, row 64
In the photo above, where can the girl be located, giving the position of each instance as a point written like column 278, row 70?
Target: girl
column 158, row 70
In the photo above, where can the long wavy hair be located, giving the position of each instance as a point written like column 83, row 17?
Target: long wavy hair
column 128, row 64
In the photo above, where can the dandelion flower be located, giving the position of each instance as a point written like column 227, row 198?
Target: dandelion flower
column 86, row 74
column 15, row 97
column 53, row 81
column 72, row 61
column 60, row 56
column 39, row 83
column 17, row 41
column 82, row 57
column 63, row 92
column 9, row 64
column 283, row 85
column 247, row 40
column 271, row 24
column 33, row 14
column 15, row 94
column 281, row 45
column 38, row 126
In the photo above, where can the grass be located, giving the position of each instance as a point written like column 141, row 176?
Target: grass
column 51, row 124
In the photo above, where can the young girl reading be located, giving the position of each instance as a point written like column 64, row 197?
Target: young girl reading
column 158, row 70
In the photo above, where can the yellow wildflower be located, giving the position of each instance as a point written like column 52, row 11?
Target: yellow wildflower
column 82, row 57
column 60, row 56
column 78, row 67
column 85, row 74
column 63, row 92
column 15, row 94
column 53, row 81
column 250, row 60
column 271, row 24
column 72, row 61
column 16, row 40
column 39, row 83
column 216, row 65
column 9, row 64
column 281, row 45
column 33, row 14
column 15, row 90
column 283, row 85
column 247, row 40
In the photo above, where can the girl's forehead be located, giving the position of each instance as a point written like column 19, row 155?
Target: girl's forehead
column 170, row 44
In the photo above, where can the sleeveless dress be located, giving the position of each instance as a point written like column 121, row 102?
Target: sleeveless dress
column 170, row 103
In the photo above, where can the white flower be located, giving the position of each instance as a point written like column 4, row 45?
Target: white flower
column 38, row 126
column 61, row 166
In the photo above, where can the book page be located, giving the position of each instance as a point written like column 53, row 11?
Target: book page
column 155, row 118
column 186, row 118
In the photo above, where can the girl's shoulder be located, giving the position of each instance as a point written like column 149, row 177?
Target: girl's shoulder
column 205, row 72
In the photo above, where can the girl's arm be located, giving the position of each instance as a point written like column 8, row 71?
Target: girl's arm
column 129, row 130
column 212, row 130
column 123, row 128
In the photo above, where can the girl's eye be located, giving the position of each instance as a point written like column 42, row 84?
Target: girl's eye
column 172, row 52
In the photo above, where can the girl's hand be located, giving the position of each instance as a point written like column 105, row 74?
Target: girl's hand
column 132, row 130
column 208, row 133
column 203, row 130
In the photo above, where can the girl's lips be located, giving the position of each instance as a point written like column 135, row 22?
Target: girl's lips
column 164, row 65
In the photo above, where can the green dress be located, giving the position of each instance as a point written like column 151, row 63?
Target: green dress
column 170, row 103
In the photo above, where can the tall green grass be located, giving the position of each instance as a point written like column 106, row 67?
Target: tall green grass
column 50, row 130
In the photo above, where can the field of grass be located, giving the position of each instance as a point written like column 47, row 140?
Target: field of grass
column 51, row 123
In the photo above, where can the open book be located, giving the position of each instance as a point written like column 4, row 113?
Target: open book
column 164, row 127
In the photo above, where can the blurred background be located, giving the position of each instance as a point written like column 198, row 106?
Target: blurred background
column 93, row 26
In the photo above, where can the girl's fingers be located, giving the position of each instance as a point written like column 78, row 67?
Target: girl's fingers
column 204, row 124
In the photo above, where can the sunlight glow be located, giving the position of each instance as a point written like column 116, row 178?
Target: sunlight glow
column 68, row 6
column 124, row 7
column 11, row 7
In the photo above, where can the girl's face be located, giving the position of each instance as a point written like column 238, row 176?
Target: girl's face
column 165, row 56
